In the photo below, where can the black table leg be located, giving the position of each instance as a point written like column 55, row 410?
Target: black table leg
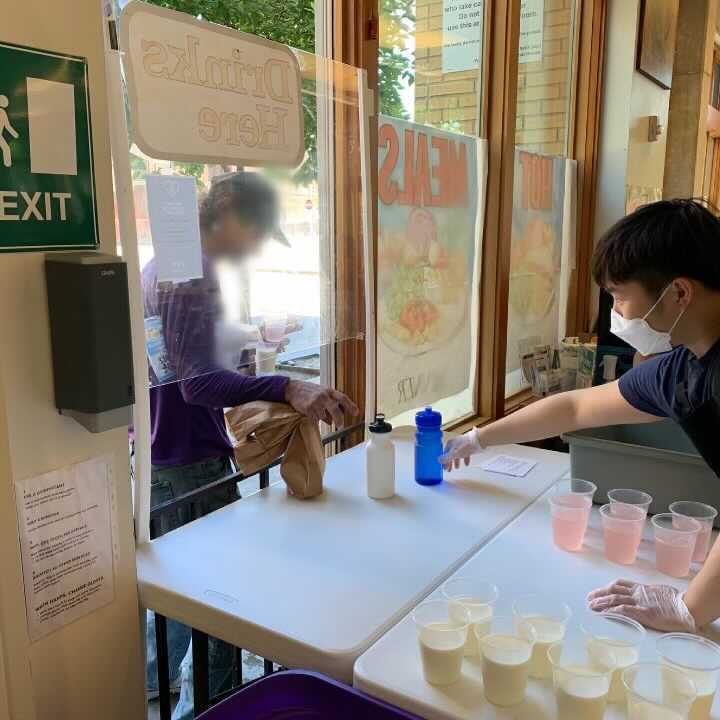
column 268, row 664
column 237, row 667
column 163, row 666
column 201, row 678
column 264, row 478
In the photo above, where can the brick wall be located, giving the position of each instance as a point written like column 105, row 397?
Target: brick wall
column 451, row 99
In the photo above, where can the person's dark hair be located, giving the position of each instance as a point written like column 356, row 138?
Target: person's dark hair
column 659, row 242
column 248, row 195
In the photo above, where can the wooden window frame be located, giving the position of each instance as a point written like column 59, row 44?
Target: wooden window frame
column 355, row 42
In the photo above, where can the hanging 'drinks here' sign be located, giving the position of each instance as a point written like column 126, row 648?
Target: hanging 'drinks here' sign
column 203, row 93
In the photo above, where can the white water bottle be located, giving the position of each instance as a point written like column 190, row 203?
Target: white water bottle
column 380, row 460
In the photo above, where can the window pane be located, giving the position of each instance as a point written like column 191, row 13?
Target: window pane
column 431, row 197
column 543, row 207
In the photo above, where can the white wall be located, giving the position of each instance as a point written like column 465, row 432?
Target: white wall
column 625, row 155
column 91, row 668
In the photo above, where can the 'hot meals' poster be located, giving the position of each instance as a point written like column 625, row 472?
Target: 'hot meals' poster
column 428, row 251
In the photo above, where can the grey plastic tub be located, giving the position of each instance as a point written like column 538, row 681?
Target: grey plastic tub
column 655, row 457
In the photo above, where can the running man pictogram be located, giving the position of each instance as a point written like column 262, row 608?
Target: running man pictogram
column 5, row 125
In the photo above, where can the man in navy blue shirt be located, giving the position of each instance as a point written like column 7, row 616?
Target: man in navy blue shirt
column 661, row 264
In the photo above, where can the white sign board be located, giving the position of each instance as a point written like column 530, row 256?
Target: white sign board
column 463, row 33
column 203, row 93
column 65, row 519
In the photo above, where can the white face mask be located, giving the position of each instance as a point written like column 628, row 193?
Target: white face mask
column 638, row 333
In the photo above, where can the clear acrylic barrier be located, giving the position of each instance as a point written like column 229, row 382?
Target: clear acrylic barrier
column 252, row 287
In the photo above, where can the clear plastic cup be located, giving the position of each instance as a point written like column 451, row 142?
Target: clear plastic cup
column 582, row 675
column 570, row 506
column 623, row 636
column 275, row 327
column 442, row 641
column 478, row 597
column 675, row 537
column 699, row 659
column 630, row 497
column 705, row 515
column 548, row 617
column 656, row 691
column 506, row 653
column 622, row 531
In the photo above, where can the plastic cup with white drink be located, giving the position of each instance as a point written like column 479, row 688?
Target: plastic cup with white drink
column 623, row 636
column 699, row 659
column 582, row 674
column 477, row 597
column 548, row 617
column 506, row 652
column 646, row 692
column 442, row 640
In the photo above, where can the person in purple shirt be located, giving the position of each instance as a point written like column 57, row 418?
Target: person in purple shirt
column 190, row 447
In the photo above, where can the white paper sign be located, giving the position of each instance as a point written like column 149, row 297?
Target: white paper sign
column 463, row 33
column 507, row 465
column 203, row 93
column 175, row 227
column 65, row 518
column 531, row 31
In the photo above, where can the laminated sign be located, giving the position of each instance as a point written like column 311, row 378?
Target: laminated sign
column 203, row 93
column 47, row 188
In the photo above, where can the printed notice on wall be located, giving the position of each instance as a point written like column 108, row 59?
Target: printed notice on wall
column 66, row 540
column 463, row 33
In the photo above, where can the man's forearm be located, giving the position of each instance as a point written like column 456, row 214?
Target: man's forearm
column 557, row 414
column 703, row 596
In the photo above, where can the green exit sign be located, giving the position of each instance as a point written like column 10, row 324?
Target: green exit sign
column 47, row 187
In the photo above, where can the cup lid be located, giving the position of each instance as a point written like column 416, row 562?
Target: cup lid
column 380, row 426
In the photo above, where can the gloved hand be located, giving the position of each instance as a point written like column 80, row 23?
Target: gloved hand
column 660, row 607
column 461, row 449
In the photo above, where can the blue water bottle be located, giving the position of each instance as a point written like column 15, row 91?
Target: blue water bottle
column 428, row 447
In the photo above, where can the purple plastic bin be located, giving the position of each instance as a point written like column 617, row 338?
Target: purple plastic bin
column 301, row 695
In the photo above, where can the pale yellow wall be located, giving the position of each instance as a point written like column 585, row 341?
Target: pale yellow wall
column 92, row 668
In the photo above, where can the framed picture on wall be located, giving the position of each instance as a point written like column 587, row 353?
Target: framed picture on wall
column 656, row 40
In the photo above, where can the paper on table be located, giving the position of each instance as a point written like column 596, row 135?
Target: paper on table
column 65, row 518
column 175, row 227
column 507, row 465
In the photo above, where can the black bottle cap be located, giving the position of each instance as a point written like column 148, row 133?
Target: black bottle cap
column 380, row 425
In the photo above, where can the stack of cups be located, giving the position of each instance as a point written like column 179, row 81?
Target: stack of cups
column 570, row 506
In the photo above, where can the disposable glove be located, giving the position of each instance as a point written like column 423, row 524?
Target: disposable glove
column 660, row 607
column 461, row 449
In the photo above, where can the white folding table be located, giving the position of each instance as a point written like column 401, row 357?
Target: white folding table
column 313, row 584
column 521, row 559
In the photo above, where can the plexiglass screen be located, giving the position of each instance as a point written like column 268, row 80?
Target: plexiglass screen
column 239, row 261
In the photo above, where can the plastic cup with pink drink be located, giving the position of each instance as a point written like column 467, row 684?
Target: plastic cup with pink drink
column 622, row 531
column 630, row 497
column 705, row 515
column 675, row 537
column 570, row 506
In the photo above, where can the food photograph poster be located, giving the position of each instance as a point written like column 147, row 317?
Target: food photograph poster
column 430, row 198
column 538, row 219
